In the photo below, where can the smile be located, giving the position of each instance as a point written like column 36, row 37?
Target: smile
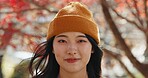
column 72, row 60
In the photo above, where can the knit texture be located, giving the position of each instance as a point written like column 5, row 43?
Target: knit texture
column 75, row 17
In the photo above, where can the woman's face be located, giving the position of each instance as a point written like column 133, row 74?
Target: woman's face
column 72, row 51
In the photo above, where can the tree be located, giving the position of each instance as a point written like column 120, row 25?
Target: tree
column 17, row 15
column 137, row 16
column 24, row 23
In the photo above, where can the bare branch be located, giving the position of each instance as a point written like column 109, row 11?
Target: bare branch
column 31, row 1
column 25, row 11
column 146, row 13
column 132, row 22
column 1, row 28
column 41, row 6
column 117, row 57
column 135, row 15
column 10, row 12
column 118, row 37
column 138, row 12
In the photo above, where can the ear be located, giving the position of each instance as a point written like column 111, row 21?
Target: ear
column 92, row 51
column 53, row 51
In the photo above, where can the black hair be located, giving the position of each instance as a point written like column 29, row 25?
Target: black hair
column 94, row 65
column 44, row 64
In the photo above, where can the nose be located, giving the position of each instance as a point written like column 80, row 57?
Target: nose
column 72, row 49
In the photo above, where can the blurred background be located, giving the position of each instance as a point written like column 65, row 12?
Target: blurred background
column 123, row 26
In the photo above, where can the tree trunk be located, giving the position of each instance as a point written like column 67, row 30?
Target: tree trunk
column 146, row 50
column 117, row 57
column 1, row 76
column 141, row 67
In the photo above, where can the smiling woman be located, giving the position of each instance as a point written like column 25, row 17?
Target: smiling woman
column 71, row 49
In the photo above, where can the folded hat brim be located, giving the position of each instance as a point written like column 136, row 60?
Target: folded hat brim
column 73, row 23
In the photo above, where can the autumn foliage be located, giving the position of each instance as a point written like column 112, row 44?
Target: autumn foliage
column 19, row 15
column 24, row 23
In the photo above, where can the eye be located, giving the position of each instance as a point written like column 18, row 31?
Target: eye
column 62, row 41
column 81, row 41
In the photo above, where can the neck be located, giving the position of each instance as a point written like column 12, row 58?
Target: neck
column 79, row 74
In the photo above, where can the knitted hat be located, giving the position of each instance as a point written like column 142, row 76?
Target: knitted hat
column 75, row 17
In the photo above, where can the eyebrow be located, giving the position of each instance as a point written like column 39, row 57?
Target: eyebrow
column 61, row 36
column 82, row 36
column 67, row 36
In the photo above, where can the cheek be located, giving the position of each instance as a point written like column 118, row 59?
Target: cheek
column 86, row 51
column 58, row 50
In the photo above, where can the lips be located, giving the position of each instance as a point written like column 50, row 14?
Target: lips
column 72, row 60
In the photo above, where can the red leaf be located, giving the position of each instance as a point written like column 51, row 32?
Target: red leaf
column 5, row 19
column 3, row 22
column 6, row 39
column 13, row 3
column 10, row 24
column 19, row 5
column 118, row 1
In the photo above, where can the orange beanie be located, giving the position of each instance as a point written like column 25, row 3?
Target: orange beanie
column 75, row 17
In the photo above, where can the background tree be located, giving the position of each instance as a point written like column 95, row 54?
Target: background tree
column 23, row 24
column 134, row 12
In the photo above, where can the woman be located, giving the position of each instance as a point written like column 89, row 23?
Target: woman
column 71, row 49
